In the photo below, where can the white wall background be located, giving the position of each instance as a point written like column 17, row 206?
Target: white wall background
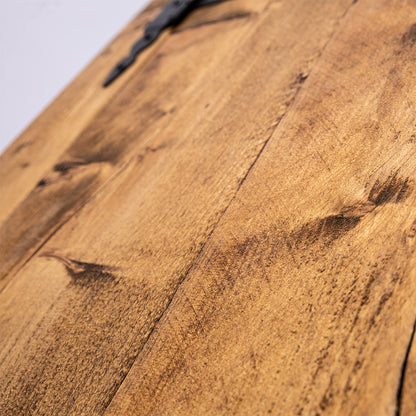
column 43, row 45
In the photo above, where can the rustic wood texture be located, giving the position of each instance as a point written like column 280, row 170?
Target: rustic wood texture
column 228, row 229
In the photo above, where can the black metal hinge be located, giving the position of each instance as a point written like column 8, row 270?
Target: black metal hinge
column 171, row 15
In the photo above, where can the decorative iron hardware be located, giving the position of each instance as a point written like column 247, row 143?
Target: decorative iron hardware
column 174, row 12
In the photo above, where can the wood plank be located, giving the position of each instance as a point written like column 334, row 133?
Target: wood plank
column 136, row 113
column 302, row 301
column 77, row 314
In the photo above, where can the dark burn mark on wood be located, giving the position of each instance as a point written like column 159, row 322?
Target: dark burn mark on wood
column 325, row 229
column 41, row 183
column 101, row 143
column 65, row 166
column 264, row 249
column 407, row 41
column 404, row 191
column 83, row 273
column 332, row 227
column 93, row 146
column 409, row 37
column 328, row 229
column 394, row 189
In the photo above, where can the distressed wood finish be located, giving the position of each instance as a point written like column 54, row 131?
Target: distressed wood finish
column 124, row 127
column 229, row 229
column 40, row 145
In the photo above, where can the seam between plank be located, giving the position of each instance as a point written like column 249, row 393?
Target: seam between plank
column 402, row 378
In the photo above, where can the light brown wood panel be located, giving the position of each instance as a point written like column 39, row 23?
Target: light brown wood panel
column 26, row 160
column 302, row 301
column 137, row 112
column 231, row 230
column 76, row 315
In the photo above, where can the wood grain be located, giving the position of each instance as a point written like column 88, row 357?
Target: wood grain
column 40, row 145
column 233, row 232
column 302, row 301
column 124, row 127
